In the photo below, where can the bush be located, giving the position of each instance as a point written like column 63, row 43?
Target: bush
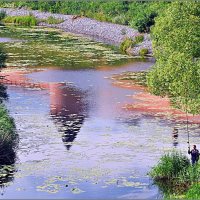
column 143, row 52
column 53, row 20
column 175, row 175
column 2, row 15
column 139, row 39
column 28, row 20
column 170, row 166
column 145, row 23
column 101, row 17
column 127, row 43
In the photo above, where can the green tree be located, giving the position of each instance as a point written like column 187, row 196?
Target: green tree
column 176, row 42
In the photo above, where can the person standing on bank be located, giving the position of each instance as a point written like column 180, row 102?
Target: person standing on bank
column 194, row 154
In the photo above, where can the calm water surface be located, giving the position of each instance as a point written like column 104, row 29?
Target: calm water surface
column 76, row 141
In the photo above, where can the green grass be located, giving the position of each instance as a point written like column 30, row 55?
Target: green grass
column 175, row 176
column 170, row 166
column 28, row 20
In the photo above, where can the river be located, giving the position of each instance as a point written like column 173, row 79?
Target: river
column 75, row 138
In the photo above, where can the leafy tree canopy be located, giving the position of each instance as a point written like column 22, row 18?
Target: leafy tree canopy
column 176, row 42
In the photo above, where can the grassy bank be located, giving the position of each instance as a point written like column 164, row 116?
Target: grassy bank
column 21, row 20
column 28, row 20
column 8, row 137
column 138, row 15
column 176, row 177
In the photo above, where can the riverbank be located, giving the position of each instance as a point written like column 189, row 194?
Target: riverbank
column 176, row 177
column 149, row 104
column 8, row 137
column 109, row 33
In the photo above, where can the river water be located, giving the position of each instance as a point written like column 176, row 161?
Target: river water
column 75, row 138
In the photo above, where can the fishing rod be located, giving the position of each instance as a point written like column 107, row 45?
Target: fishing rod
column 187, row 121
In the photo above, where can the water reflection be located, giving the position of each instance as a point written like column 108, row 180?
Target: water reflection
column 68, row 110
column 175, row 137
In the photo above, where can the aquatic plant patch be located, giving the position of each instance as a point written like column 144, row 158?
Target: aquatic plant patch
column 47, row 47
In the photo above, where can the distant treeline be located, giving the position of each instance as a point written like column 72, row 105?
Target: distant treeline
column 138, row 15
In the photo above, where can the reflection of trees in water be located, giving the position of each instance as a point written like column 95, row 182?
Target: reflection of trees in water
column 69, row 126
column 131, row 121
column 67, row 110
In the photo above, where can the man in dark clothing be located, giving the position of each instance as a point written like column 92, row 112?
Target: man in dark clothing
column 194, row 154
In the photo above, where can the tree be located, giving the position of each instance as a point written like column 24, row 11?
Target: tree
column 176, row 42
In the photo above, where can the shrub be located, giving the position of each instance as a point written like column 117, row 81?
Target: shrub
column 170, row 166
column 53, row 20
column 127, row 43
column 145, row 23
column 2, row 15
column 175, row 175
column 143, row 52
column 139, row 39
column 28, row 20
column 101, row 17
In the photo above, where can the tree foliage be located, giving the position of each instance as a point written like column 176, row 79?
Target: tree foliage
column 176, row 42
